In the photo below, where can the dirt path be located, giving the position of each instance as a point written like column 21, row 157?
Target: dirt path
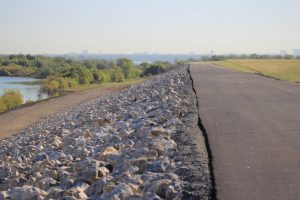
column 14, row 121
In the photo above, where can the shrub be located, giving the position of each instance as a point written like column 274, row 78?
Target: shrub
column 154, row 69
column 2, row 106
column 63, row 83
column 72, row 82
column 83, row 75
column 117, row 76
column 144, row 65
column 104, row 76
column 128, row 68
column 96, row 76
column 43, row 72
column 10, row 99
column 51, row 86
column 134, row 73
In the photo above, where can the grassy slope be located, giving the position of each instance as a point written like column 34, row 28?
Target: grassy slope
column 280, row 69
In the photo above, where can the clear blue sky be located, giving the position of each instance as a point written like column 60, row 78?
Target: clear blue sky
column 165, row 26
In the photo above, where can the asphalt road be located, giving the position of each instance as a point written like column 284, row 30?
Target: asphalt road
column 253, row 127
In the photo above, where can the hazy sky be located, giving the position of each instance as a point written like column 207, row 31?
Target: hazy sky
column 165, row 26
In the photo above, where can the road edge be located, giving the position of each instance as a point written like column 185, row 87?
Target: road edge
column 213, row 191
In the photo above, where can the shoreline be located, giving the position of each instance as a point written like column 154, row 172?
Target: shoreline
column 27, row 114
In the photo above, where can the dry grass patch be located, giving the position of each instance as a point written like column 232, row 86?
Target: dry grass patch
column 280, row 69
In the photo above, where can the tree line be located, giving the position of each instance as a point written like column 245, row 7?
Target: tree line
column 59, row 73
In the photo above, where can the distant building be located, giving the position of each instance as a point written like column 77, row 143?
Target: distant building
column 283, row 52
column 296, row 52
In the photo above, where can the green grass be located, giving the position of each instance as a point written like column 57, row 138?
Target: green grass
column 280, row 69
column 127, row 82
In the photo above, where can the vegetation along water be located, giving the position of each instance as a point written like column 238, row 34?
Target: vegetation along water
column 37, row 77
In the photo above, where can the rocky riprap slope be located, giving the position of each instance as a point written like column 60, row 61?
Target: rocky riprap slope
column 139, row 143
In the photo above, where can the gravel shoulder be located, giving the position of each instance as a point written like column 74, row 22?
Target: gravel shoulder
column 142, row 142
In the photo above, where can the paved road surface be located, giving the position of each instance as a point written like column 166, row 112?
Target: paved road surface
column 253, row 127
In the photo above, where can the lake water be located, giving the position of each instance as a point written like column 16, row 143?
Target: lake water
column 29, row 87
